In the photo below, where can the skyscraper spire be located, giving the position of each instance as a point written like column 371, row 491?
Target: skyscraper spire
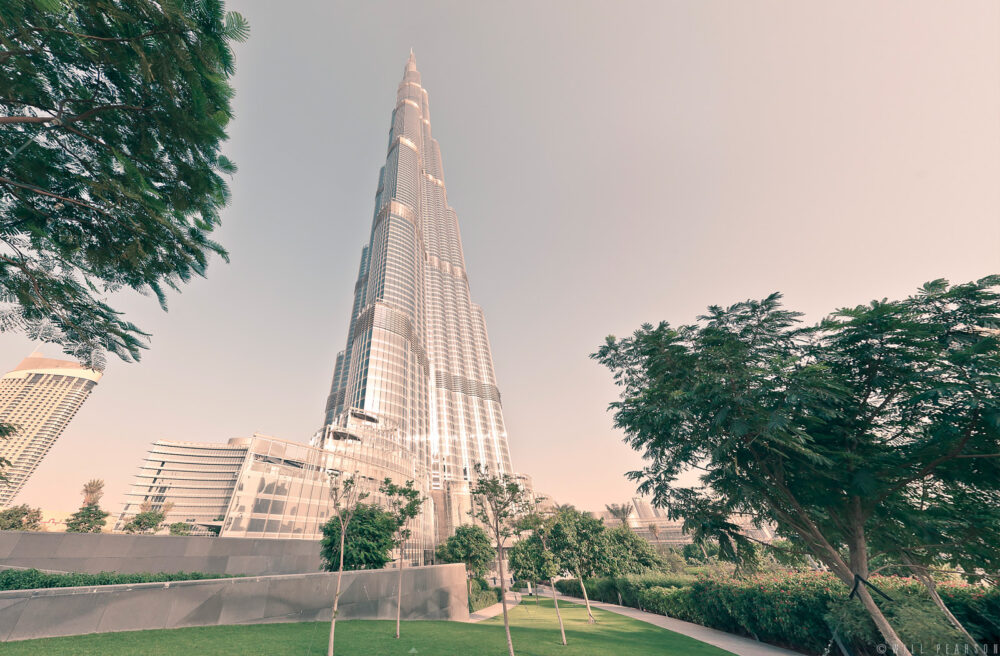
column 417, row 352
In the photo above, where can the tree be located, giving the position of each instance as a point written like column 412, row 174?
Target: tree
column 111, row 175
column 471, row 546
column 578, row 547
column 404, row 503
column 625, row 553
column 368, row 543
column 621, row 512
column 344, row 496
column 21, row 518
column 826, row 431
column 148, row 519
column 180, row 528
column 89, row 518
column 498, row 502
column 532, row 559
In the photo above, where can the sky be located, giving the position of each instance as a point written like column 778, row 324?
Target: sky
column 611, row 163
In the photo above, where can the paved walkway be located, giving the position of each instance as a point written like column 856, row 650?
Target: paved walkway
column 732, row 643
column 513, row 599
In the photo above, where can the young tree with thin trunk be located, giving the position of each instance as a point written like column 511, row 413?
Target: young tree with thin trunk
column 498, row 502
column 531, row 557
column 345, row 495
column 578, row 547
column 404, row 503
column 821, row 430
column 471, row 546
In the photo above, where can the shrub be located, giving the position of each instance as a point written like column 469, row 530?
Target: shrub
column 799, row 610
column 976, row 607
column 674, row 602
column 29, row 579
column 482, row 595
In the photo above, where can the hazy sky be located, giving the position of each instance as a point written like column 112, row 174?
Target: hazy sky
column 611, row 163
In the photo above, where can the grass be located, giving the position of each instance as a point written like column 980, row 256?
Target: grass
column 533, row 628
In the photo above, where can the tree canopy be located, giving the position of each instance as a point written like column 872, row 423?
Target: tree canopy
column 21, row 518
column 469, row 545
column 368, row 543
column 148, row 519
column 111, row 175
column 828, row 431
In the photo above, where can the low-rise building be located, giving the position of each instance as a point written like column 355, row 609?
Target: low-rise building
column 265, row 487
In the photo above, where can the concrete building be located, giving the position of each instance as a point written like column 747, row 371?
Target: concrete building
column 417, row 352
column 40, row 397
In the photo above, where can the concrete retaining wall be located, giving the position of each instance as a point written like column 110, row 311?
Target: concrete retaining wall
column 99, row 552
column 429, row 593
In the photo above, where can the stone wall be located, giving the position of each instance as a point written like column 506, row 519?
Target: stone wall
column 429, row 593
column 106, row 552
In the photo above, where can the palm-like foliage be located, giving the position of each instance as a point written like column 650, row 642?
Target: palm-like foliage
column 113, row 115
column 93, row 490
column 621, row 512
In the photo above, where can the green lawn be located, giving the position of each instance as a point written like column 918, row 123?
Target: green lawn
column 534, row 630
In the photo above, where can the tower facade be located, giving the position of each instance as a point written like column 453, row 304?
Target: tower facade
column 39, row 397
column 417, row 353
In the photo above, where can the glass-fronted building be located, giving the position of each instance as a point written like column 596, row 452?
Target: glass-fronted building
column 264, row 487
column 417, row 351
column 414, row 394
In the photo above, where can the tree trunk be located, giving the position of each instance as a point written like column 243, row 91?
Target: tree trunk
column 821, row 547
column 895, row 644
column 555, row 600
column 336, row 594
column 469, row 580
column 503, row 600
column 929, row 583
column 399, row 591
column 857, row 547
column 590, row 614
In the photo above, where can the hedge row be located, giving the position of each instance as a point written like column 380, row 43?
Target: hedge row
column 800, row 611
column 628, row 587
column 29, row 579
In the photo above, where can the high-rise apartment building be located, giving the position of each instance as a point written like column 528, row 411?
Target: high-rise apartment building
column 39, row 397
column 417, row 354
